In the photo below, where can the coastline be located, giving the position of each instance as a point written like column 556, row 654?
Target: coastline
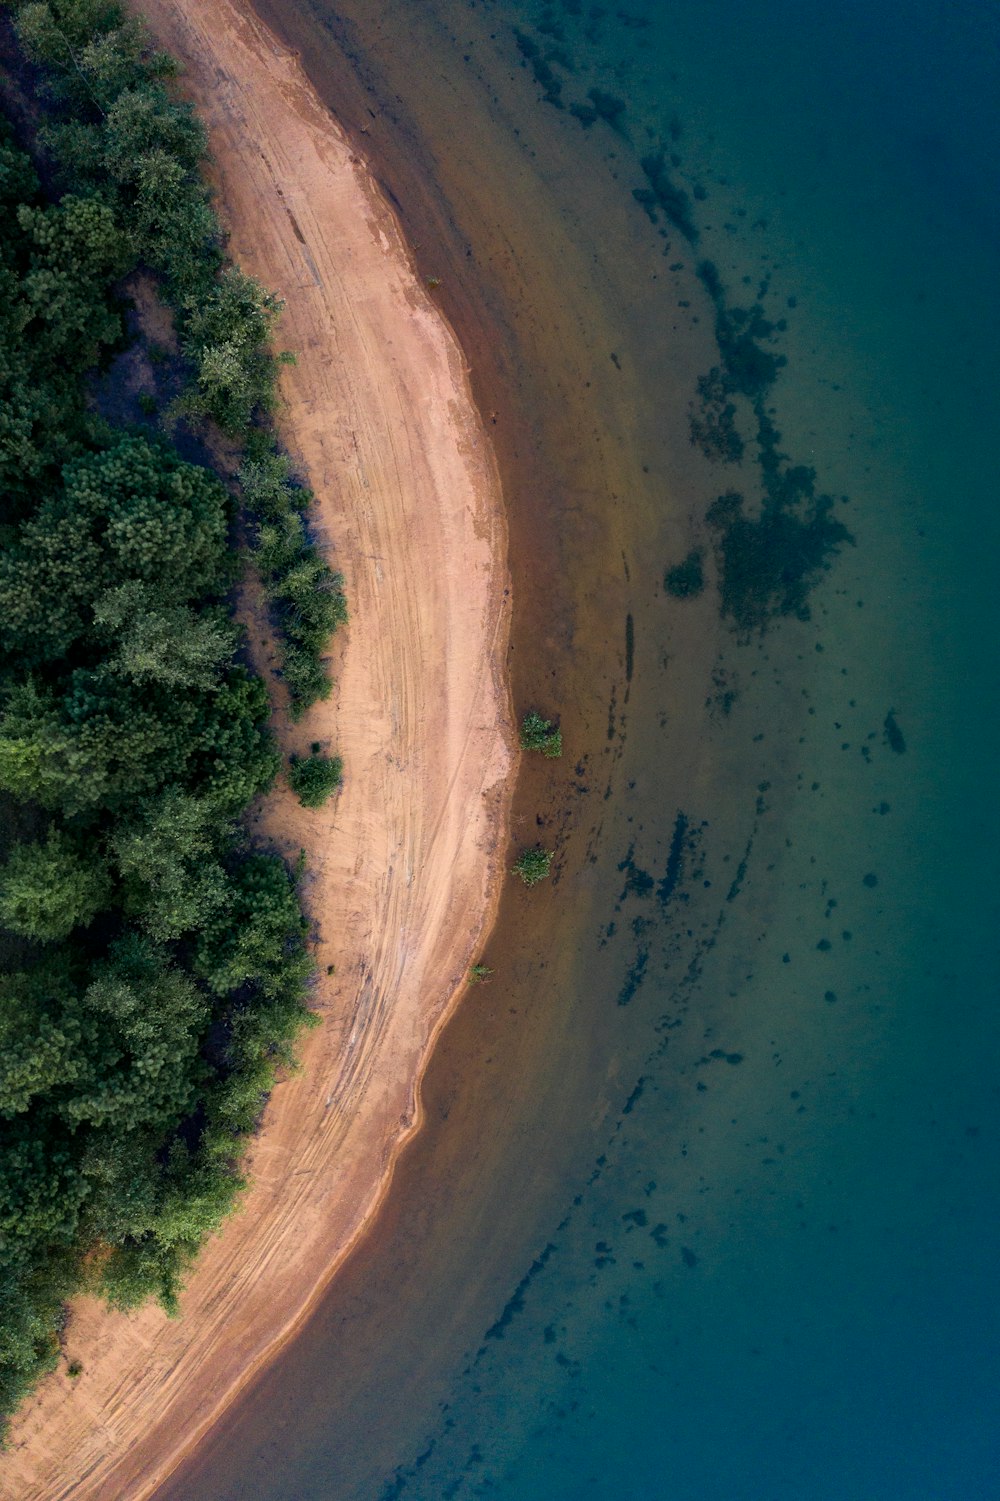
column 521, row 282
column 404, row 867
column 378, row 1372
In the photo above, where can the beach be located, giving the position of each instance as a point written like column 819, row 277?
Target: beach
column 403, row 868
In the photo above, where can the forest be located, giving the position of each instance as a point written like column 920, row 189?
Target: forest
column 155, row 964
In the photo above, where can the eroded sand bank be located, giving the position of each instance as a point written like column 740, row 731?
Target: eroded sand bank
column 404, row 866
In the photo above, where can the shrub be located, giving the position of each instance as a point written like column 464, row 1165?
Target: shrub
column 306, row 596
column 226, row 337
column 313, row 778
column 533, row 865
column 540, row 735
column 306, row 678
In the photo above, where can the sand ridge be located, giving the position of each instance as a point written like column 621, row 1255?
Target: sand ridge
column 405, row 865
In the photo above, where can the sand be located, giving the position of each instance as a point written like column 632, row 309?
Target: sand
column 405, row 866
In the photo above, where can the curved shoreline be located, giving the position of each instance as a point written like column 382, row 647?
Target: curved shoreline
column 404, row 867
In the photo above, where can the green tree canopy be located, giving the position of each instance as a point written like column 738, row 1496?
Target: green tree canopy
column 51, row 886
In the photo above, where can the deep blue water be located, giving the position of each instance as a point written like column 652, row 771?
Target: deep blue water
column 780, row 1280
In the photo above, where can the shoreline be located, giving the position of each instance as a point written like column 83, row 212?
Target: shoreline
column 404, row 872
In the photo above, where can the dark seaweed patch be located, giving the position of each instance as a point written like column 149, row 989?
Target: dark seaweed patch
column 638, row 882
column 515, row 1303
column 675, row 861
column 708, row 275
column 686, row 580
column 713, row 420
column 548, row 81
column 736, row 885
column 749, row 369
column 893, row 734
column 634, row 978
column 671, row 198
column 768, row 563
column 636, row 1217
column 607, row 107
column 585, row 113
column 645, row 196
column 634, row 1098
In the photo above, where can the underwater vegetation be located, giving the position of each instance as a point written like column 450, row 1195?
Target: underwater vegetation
column 768, row 563
column 772, row 547
column 686, row 580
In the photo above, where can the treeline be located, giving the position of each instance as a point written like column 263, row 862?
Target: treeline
column 116, row 137
column 155, row 967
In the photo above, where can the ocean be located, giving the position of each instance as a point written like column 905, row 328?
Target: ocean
column 705, row 1207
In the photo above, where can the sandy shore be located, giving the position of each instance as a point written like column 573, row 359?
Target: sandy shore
column 404, row 868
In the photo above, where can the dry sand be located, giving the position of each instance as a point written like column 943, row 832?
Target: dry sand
column 404, row 867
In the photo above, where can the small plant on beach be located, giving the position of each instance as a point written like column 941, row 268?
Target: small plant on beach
column 533, row 865
column 74, row 1369
column 478, row 973
column 540, row 734
column 313, row 778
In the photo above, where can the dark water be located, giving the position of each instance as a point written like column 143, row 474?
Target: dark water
column 730, row 1229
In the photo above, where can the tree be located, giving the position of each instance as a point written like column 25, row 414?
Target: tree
column 148, row 1019
column 167, row 857
column 171, row 645
column 76, row 247
column 41, row 1037
column 41, row 1191
column 99, row 742
column 161, row 520
column 227, row 337
column 50, row 887
column 258, row 937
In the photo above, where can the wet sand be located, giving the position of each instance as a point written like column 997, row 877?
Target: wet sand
column 404, row 867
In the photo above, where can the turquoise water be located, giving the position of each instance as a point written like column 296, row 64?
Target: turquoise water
column 837, row 1335
column 777, row 1277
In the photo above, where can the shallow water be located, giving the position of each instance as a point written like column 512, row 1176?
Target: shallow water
column 706, row 1202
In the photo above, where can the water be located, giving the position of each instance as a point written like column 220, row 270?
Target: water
column 736, row 1237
